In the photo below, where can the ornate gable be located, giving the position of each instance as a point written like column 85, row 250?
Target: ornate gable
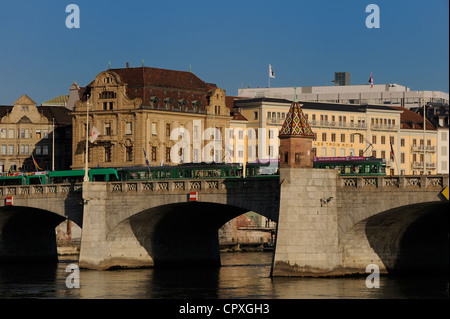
column 24, row 111
column 25, row 100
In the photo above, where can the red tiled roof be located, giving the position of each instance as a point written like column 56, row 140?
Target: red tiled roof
column 412, row 120
column 229, row 102
column 238, row 116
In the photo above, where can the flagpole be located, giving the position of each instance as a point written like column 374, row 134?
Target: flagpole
column 86, row 176
column 424, row 132
column 53, row 145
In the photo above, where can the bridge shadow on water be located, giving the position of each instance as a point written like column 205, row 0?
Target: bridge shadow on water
column 412, row 239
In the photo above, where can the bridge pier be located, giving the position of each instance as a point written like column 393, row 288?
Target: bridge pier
column 307, row 233
column 93, row 248
column 98, row 249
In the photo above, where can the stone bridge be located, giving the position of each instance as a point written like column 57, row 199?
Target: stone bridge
column 136, row 224
column 326, row 225
column 330, row 225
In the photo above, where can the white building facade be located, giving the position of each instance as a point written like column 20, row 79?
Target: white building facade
column 389, row 94
column 443, row 150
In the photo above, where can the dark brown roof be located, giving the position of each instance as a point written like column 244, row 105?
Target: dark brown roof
column 412, row 120
column 147, row 83
column 5, row 109
column 59, row 113
column 146, row 76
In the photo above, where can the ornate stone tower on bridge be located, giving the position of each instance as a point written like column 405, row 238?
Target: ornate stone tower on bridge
column 296, row 139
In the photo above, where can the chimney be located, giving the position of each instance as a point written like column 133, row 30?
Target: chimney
column 128, row 65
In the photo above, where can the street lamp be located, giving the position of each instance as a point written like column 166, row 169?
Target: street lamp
column 86, row 175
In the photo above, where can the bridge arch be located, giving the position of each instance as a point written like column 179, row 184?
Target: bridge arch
column 28, row 233
column 177, row 234
column 410, row 238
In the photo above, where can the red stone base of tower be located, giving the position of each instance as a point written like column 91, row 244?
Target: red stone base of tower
column 296, row 151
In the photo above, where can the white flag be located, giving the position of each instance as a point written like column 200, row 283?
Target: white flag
column 271, row 73
column 94, row 134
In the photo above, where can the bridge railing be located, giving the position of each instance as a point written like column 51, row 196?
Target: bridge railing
column 194, row 185
column 37, row 190
column 204, row 185
column 396, row 181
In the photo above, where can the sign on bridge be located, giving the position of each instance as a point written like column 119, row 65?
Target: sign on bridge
column 444, row 193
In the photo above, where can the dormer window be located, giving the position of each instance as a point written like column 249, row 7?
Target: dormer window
column 154, row 101
column 181, row 103
column 168, row 102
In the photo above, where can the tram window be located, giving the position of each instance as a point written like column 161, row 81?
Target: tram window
column 347, row 169
column 99, row 178
column 36, row 180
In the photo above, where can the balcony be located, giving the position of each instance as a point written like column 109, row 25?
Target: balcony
column 275, row 121
column 333, row 124
column 384, row 127
column 419, row 165
column 419, row 148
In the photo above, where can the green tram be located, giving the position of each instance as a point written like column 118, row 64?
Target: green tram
column 263, row 168
column 183, row 171
column 353, row 165
column 58, row 177
column 23, row 178
column 199, row 171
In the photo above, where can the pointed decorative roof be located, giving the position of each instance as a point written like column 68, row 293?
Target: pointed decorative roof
column 295, row 123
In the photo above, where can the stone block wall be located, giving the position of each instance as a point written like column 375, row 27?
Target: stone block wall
column 307, row 236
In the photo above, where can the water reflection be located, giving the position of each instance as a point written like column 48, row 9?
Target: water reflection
column 242, row 275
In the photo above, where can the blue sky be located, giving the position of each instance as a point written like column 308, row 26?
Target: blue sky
column 230, row 43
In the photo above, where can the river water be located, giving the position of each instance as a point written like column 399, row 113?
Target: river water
column 242, row 276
